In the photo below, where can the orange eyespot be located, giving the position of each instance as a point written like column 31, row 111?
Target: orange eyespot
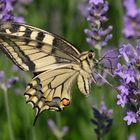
column 65, row 102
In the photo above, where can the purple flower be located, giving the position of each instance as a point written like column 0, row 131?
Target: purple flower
column 129, row 53
column 123, row 89
column 11, row 82
column 96, row 2
column 6, row 84
column 51, row 124
column 129, row 74
column 6, row 11
column 130, row 117
column 122, row 97
column 7, row 7
column 105, row 110
column 131, row 8
column 131, row 19
column 122, row 100
column 128, row 29
column 58, row 132
column 97, row 36
column 132, row 137
column 65, row 129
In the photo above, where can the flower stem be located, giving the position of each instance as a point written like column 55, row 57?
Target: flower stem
column 98, row 137
column 8, row 114
column 33, row 134
column 58, row 122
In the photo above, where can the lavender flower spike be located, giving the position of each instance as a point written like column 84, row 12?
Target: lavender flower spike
column 6, row 84
column 131, row 19
column 97, row 36
column 129, row 74
column 7, row 7
column 102, row 120
column 11, row 82
column 6, row 11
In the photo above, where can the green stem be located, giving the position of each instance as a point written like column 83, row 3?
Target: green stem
column 8, row 114
column 33, row 134
column 58, row 122
column 60, row 138
column 98, row 137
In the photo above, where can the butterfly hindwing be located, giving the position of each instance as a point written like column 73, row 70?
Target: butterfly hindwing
column 83, row 83
column 50, row 90
column 33, row 49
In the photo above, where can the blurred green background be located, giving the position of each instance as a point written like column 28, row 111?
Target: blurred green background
column 63, row 18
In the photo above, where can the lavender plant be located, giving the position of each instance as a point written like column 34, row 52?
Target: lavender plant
column 131, row 19
column 6, row 14
column 102, row 120
column 97, row 35
column 6, row 11
column 8, row 6
column 5, row 85
column 128, row 73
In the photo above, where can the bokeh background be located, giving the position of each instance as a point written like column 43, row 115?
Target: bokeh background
column 64, row 18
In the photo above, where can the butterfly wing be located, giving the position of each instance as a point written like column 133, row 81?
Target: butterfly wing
column 50, row 90
column 33, row 49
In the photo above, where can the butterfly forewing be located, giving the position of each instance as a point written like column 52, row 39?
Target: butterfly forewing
column 34, row 49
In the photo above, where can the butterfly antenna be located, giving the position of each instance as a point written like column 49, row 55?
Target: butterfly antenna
column 113, row 87
column 106, row 71
column 103, row 78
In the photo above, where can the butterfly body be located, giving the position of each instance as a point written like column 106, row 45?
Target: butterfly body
column 55, row 63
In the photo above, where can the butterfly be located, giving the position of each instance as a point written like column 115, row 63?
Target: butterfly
column 55, row 63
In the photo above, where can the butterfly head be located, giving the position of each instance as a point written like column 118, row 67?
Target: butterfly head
column 91, row 55
column 88, row 60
